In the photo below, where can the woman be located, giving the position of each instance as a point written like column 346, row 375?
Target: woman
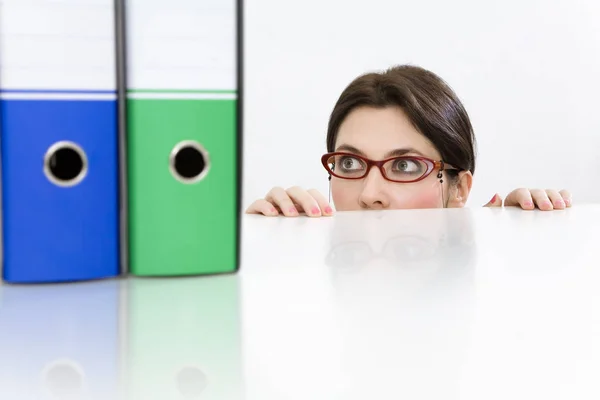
column 397, row 140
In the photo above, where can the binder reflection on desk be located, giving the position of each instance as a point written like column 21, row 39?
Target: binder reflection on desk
column 184, row 339
column 59, row 342
column 184, row 136
column 58, row 133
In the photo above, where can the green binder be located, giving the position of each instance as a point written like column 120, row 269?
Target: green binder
column 183, row 118
column 183, row 339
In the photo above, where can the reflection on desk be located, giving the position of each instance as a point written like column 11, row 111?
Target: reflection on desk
column 183, row 338
column 59, row 341
column 420, row 304
column 443, row 303
column 127, row 339
column 397, row 279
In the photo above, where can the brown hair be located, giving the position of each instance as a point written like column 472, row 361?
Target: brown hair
column 430, row 104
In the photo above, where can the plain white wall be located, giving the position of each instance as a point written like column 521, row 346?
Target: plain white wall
column 528, row 72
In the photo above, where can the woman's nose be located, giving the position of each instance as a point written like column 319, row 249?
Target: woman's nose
column 374, row 194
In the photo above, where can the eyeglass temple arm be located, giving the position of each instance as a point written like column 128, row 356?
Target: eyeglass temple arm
column 445, row 166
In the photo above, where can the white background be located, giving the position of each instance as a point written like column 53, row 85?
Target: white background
column 527, row 71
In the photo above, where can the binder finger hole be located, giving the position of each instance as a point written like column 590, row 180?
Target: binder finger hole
column 189, row 162
column 65, row 164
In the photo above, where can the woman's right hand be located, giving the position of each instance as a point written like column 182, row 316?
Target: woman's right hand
column 291, row 203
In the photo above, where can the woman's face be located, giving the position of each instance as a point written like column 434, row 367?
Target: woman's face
column 378, row 133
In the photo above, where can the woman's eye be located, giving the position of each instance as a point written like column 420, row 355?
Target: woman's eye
column 350, row 163
column 408, row 166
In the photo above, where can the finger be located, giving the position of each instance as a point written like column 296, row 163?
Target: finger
column 306, row 202
column 324, row 205
column 566, row 195
column 541, row 200
column 519, row 198
column 496, row 201
column 558, row 203
column 278, row 197
column 262, row 206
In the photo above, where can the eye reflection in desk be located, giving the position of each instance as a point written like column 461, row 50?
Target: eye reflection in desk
column 404, row 251
column 183, row 338
column 404, row 290
column 59, row 342
column 437, row 246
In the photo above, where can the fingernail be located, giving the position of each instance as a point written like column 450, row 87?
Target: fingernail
column 567, row 202
column 328, row 210
column 273, row 211
column 560, row 203
column 493, row 200
column 547, row 204
column 314, row 211
column 528, row 204
column 293, row 211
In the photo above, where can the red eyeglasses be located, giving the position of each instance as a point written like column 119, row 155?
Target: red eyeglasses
column 405, row 169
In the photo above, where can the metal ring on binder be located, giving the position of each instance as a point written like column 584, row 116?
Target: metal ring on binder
column 49, row 157
column 203, row 160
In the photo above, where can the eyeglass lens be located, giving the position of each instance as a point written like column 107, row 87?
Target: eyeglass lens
column 398, row 169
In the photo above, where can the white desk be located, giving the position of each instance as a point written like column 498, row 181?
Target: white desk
column 429, row 304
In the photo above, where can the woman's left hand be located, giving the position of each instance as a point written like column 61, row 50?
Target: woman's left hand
column 529, row 199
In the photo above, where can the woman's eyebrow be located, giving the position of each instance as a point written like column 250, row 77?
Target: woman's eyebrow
column 351, row 149
column 403, row 151
column 394, row 153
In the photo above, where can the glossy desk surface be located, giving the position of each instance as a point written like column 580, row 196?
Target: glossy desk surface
column 422, row 304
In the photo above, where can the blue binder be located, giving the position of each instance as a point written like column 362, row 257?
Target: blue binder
column 60, row 341
column 59, row 141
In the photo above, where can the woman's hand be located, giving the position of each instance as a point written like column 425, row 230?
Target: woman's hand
column 528, row 199
column 291, row 203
